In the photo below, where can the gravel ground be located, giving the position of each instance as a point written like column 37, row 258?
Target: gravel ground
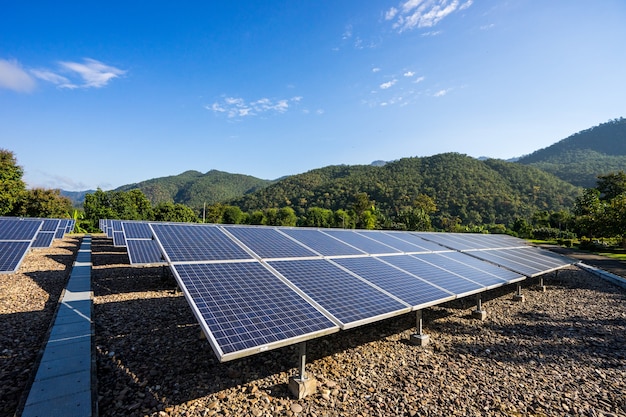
column 28, row 301
column 561, row 352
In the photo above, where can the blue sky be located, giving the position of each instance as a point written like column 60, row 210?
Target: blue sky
column 97, row 94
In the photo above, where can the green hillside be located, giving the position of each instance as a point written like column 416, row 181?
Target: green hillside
column 580, row 158
column 193, row 188
column 465, row 189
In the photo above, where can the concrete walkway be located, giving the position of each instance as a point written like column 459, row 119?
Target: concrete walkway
column 65, row 379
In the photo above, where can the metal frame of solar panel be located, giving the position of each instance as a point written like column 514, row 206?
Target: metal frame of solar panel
column 16, row 238
column 347, row 277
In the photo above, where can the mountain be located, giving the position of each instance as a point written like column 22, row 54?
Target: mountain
column 580, row 158
column 77, row 197
column 464, row 189
column 194, row 188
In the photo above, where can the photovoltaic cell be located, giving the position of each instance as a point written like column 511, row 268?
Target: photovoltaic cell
column 19, row 229
column 143, row 252
column 269, row 242
column 118, row 238
column 11, row 255
column 346, row 297
column 393, row 239
column 527, row 261
column 43, row 240
column 472, row 241
column 321, row 243
column 471, row 265
column 244, row 307
column 189, row 243
column 411, row 290
column 137, row 230
column 361, row 241
column 420, row 265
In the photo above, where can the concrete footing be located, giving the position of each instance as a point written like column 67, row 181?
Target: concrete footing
column 479, row 315
column 419, row 339
column 519, row 298
column 300, row 388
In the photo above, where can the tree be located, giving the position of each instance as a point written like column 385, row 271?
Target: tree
column 232, row 215
column 12, row 188
column 589, row 211
column 611, row 185
column 41, row 202
column 170, row 212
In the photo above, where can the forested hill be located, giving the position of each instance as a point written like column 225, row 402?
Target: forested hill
column 580, row 158
column 463, row 188
column 194, row 188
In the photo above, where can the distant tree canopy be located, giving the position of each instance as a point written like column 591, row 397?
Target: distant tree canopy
column 601, row 211
column 16, row 200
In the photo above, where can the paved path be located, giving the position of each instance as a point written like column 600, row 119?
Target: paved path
column 613, row 266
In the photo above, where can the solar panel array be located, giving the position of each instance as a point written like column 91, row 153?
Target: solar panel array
column 19, row 234
column 254, row 288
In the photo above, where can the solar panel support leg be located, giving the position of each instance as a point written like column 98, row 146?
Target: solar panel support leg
column 518, row 295
column 301, row 386
column 542, row 286
column 419, row 338
column 479, row 313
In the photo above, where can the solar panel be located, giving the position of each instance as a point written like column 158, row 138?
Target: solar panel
column 43, row 240
column 421, row 265
column 410, row 289
column 394, row 240
column 321, row 243
column 472, row 241
column 118, row 238
column 243, row 308
column 269, row 242
column 478, row 270
column 349, row 299
column 361, row 241
column 185, row 243
column 527, row 261
column 136, row 230
column 19, row 229
column 143, row 252
column 12, row 254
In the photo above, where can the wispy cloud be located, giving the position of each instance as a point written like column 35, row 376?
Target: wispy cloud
column 411, row 14
column 442, row 93
column 409, row 74
column 14, row 77
column 388, row 84
column 238, row 107
column 87, row 74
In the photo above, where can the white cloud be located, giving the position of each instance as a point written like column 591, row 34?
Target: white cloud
column 487, row 27
column 388, row 84
column 419, row 79
column 423, row 13
column 14, row 77
column 441, row 93
column 238, row 107
column 376, row 69
column 409, row 74
column 431, row 33
column 93, row 73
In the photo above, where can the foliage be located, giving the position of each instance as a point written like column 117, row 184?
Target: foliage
column 194, row 189
column 127, row 205
column 41, row 202
column 12, row 188
column 402, row 194
column 581, row 157
column 170, row 212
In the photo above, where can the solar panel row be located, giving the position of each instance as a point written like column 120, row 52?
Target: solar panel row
column 255, row 288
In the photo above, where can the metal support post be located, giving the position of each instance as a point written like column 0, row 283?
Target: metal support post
column 302, row 360
column 479, row 313
column 519, row 296
column 301, row 386
column 419, row 338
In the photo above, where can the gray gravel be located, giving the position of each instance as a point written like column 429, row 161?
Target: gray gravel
column 561, row 352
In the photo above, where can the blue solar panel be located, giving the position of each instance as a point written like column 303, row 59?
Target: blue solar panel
column 143, row 251
column 418, row 241
column 118, row 238
column 474, row 268
column 188, row 243
column 245, row 309
column 420, row 265
column 50, row 225
column 472, row 241
column 11, row 229
column 11, row 255
column 528, row 261
column 361, row 241
column 411, row 290
column 269, row 242
column 43, row 240
column 321, row 243
column 346, row 297
column 137, row 230
column 394, row 240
